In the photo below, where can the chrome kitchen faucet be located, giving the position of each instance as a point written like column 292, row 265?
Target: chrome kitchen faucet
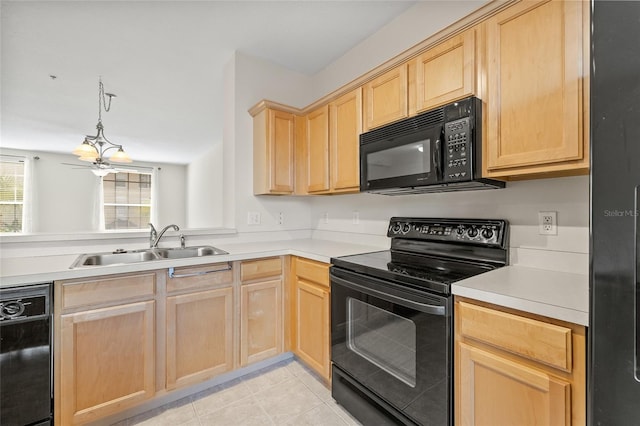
column 154, row 236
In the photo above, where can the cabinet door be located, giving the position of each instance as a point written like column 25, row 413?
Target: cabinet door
column 281, row 135
column 446, row 72
column 535, row 88
column 318, row 150
column 108, row 361
column 273, row 149
column 312, row 329
column 386, row 98
column 261, row 330
column 199, row 336
column 345, row 117
column 492, row 390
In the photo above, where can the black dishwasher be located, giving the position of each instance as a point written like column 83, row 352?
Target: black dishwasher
column 25, row 356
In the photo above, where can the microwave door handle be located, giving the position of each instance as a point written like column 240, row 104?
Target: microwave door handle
column 636, row 276
column 437, row 160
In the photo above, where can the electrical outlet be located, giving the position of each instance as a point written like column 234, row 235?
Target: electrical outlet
column 355, row 218
column 325, row 217
column 281, row 218
column 253, row 218
column 548, row 223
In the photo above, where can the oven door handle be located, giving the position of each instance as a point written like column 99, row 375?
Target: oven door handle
column 422, row 307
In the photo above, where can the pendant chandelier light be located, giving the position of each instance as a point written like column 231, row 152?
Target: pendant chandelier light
column 94, row 148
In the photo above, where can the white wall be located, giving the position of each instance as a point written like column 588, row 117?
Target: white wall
column 416, row 24
column 254, row 79
column 64, row 200
column 204, row 190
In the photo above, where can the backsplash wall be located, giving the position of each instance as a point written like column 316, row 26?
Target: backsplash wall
column 519, row 203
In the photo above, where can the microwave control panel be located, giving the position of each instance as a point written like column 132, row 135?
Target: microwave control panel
column 457, row 153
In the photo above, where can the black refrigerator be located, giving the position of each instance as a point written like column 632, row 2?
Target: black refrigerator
column 614, row 329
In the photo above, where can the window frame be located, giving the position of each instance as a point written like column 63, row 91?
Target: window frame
column 115, row 204
column 21, row 160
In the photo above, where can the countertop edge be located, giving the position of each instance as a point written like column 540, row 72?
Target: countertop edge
column 530, row 306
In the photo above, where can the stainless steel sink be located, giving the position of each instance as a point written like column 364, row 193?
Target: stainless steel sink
column 181, row 253
column 146, row 255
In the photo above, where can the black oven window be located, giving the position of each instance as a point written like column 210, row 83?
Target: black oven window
column 383, row 338
column 403, row 160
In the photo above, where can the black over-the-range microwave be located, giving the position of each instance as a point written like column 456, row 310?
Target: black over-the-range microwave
column 436, row 151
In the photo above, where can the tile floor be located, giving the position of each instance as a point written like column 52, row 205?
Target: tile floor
column 286, row 393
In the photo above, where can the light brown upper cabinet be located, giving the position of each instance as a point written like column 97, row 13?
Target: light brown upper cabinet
column 317, row 144
column 273, row 150
column 386, row 98
column 446, row 72
column 345, row 126
column 536, row 100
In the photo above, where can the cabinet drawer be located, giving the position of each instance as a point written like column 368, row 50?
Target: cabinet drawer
column 196, row 277
column 261, row 268
column 529, row 338
column 313, row 271
column 106, row 290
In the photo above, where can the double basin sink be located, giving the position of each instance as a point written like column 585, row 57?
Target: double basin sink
column 144, row 255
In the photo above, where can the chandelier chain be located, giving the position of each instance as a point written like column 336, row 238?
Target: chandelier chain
column 102, row 102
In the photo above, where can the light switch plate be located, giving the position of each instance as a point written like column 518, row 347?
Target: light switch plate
column 253, row 218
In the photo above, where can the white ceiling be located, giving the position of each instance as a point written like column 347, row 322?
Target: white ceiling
column 163, row 59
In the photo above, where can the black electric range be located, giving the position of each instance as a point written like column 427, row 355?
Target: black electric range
column 391, row 317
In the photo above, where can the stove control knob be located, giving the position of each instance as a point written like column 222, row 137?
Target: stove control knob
column 487, row 233
column 396, row 228
column 472, row 232
column 406, row 228
column 12, row 309
column 460, row 230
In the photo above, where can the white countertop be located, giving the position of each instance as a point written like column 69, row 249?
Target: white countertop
column 559, row 295
column 36, row 269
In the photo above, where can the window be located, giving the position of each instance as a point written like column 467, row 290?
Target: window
column 127, row 200
column 11, row 195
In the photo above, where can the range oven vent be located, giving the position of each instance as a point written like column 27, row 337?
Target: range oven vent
column 402, row 127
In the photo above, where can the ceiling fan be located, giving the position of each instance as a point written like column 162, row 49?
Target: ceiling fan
column 103, row 168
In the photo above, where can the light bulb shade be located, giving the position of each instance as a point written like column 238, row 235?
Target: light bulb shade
column 85, row 149
column 120, row 157
column 90, row 157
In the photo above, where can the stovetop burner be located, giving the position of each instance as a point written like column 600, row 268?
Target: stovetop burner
column 431, row 254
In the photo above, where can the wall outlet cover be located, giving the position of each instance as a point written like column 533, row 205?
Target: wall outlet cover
column 548, row 223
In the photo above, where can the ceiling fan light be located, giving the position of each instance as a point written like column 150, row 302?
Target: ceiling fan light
column 85, row 149
column 120, row 157
column 101, row 172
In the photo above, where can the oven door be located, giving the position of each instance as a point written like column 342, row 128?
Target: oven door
column 405, row 161
column 391, row 351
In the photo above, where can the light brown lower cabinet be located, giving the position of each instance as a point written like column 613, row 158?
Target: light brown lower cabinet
column 261, row 323
column 125, row 339
column 199, row 324
column 310, row 326
column 105, row 355
column 513, row 368
column 199, row 336
column 261, row 310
